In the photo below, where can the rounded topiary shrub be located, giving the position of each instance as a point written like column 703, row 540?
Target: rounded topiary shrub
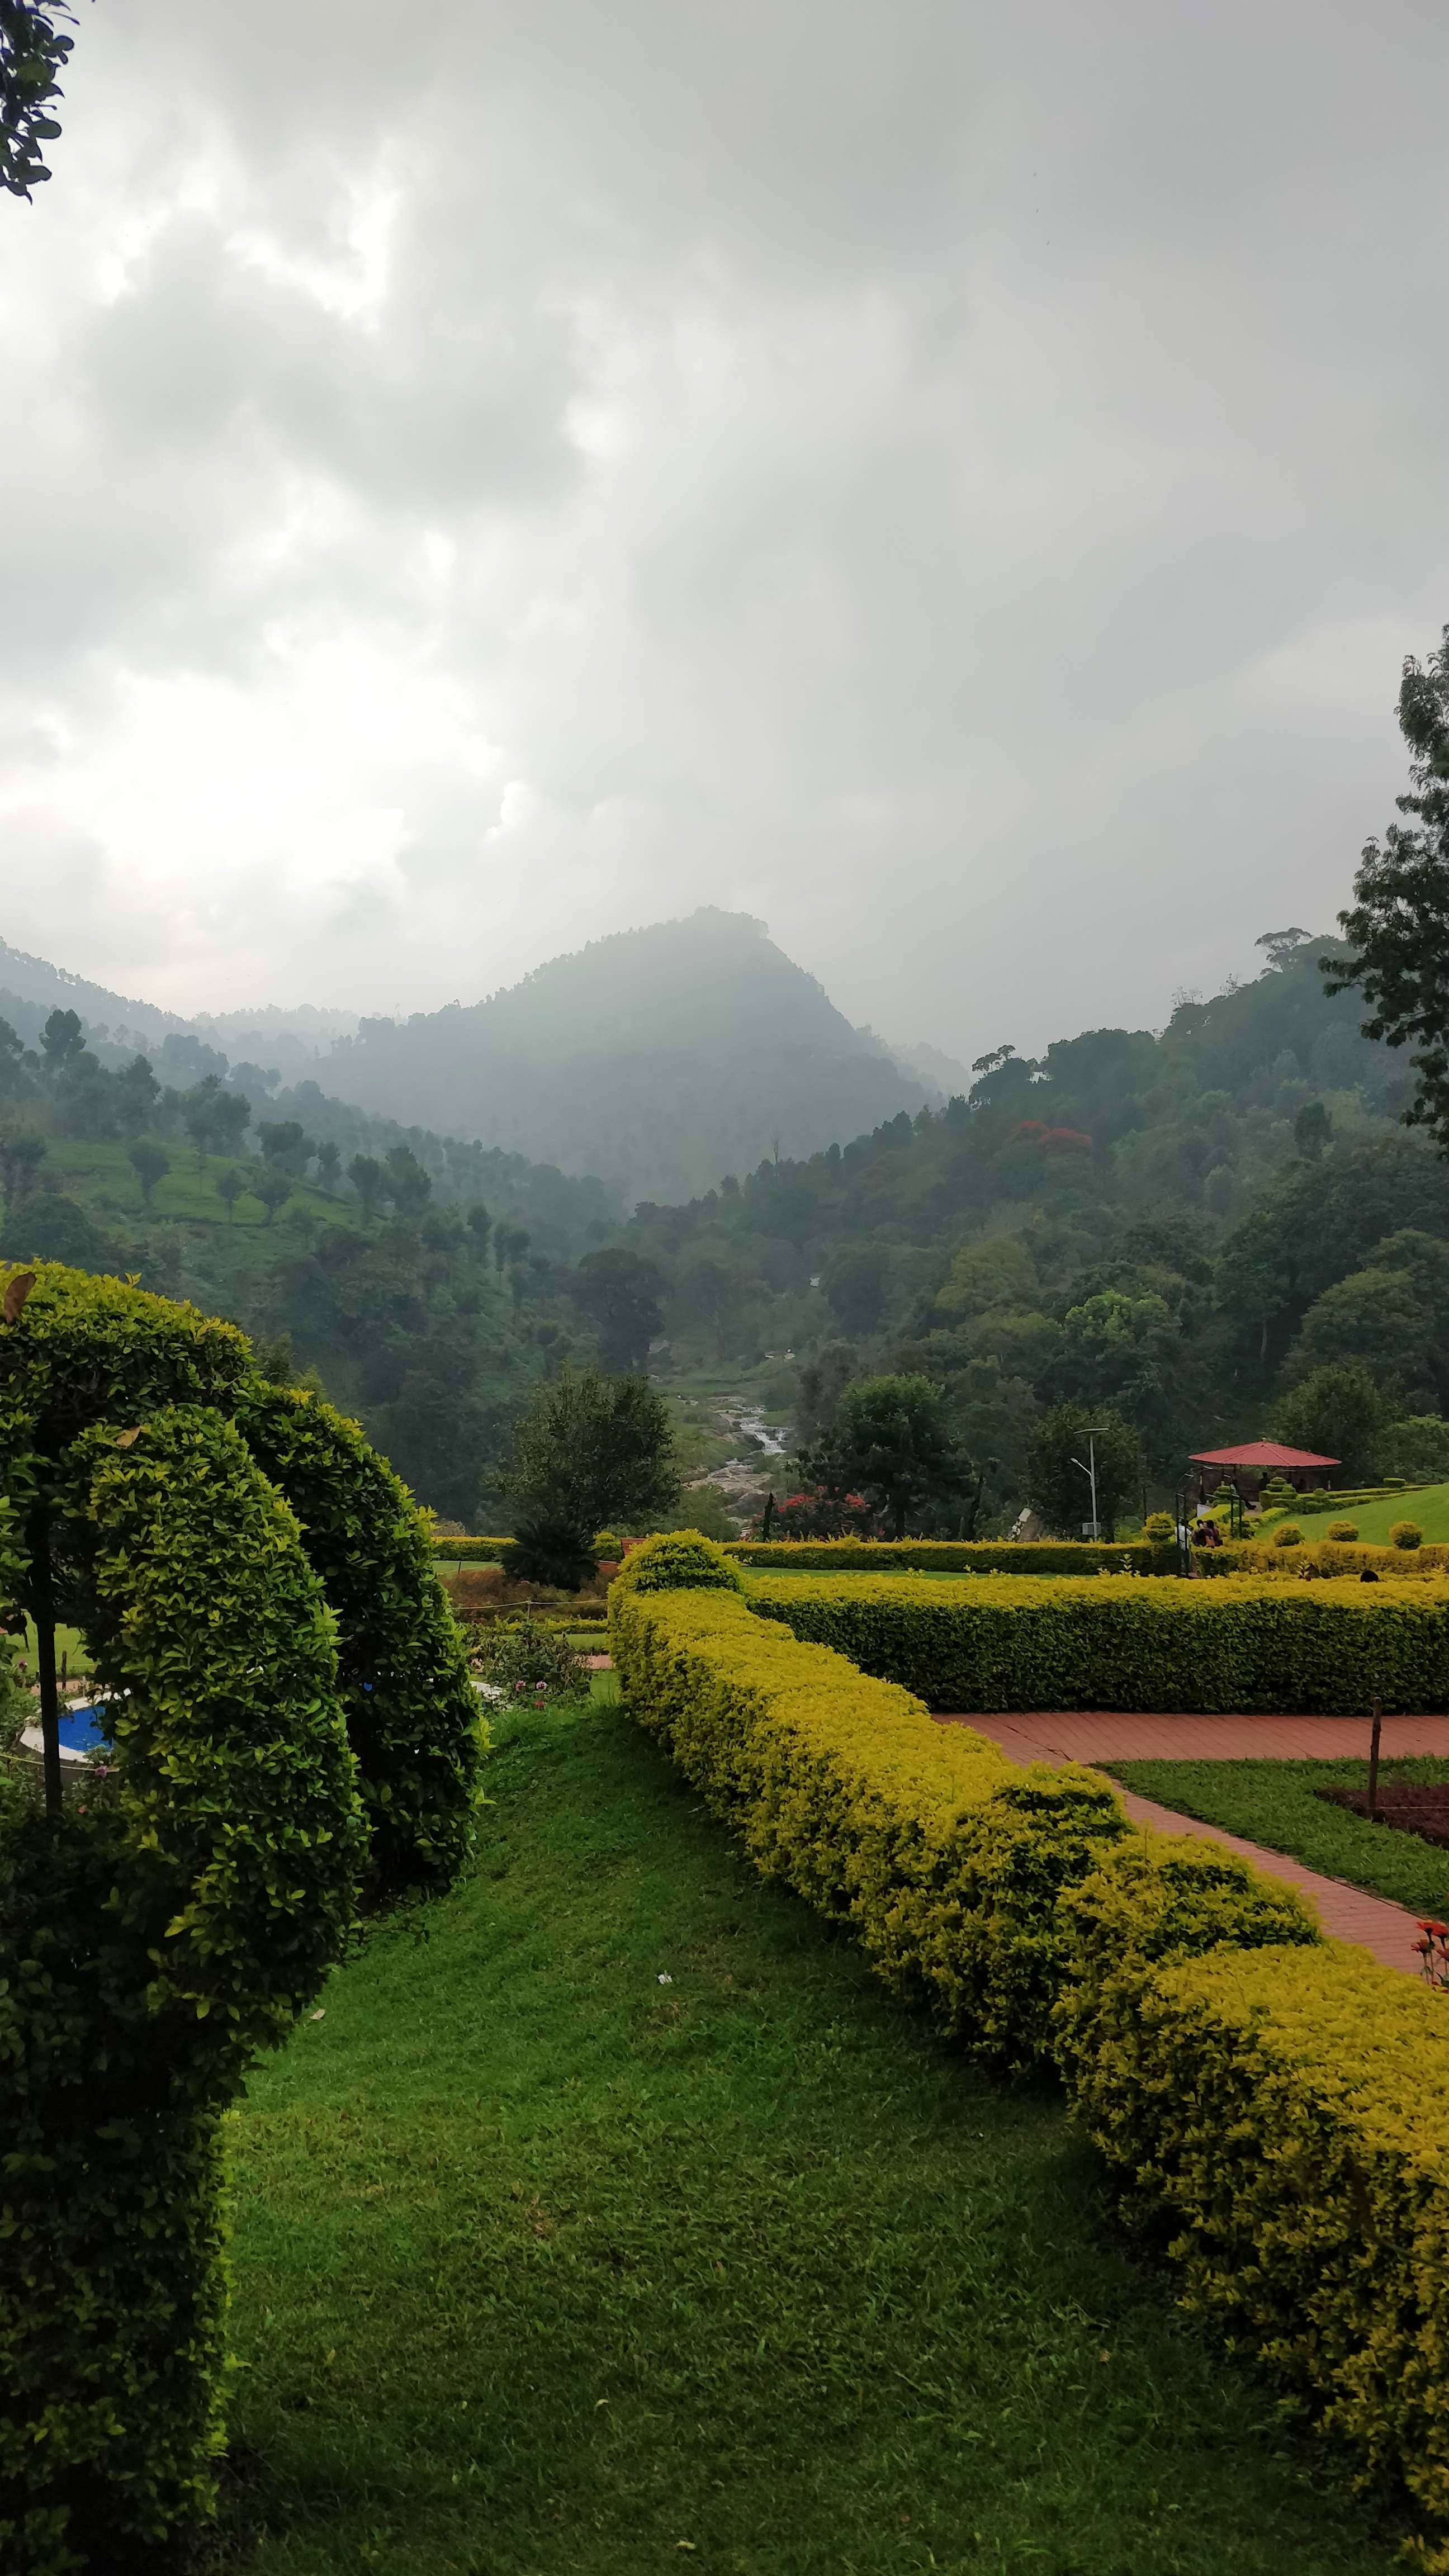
column 1406, row 1534
column 679, row 1561
column 608, row 1546
column 1343, row 1530
column 293, row 1736
column 1288, row 1534
column 1159, row 1529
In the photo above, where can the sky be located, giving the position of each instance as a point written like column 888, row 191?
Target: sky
column 957, row 482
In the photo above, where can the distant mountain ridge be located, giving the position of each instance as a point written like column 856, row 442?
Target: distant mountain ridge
column 659, row 1058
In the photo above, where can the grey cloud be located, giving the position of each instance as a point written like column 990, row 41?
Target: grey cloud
column 955, row 482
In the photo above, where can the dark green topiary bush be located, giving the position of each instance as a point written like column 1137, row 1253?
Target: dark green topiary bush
column 153, row 1937
column 550, row 1552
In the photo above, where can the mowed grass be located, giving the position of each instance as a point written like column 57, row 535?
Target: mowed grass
column 1427, row 1504
column 610, row 2221
column 1273, row 1803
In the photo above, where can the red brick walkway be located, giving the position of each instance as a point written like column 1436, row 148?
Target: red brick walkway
column 1346, row 1913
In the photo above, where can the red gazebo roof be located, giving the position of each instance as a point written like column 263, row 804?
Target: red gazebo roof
column 1262, row 1453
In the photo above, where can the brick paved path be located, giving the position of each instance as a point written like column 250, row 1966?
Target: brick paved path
column 1346, row 1913
column 1090, row 1736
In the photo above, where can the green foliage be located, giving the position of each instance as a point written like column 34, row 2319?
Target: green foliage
column 150, row 1162
column 677, row 1561
column 1342, row 1530
column 1271, row 2114
column 548, row 1551
column 34, row 50
column 592, row 1449
column 1404, row 1534
column 1160, row 1529
column 607, row 1546
column 995, row 1643
column 1287, row 1534
column 519, row 1657
column 1056, row 1483
column 179, row 1920
column 412, row 1715
column 1397, row 929
column 148, row 1945
column 889, row 1440
column 16, row 1705
column 618, row 1293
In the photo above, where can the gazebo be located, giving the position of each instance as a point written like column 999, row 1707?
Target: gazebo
column 1250, row 1467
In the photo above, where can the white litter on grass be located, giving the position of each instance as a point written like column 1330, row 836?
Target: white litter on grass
column 665, row 1978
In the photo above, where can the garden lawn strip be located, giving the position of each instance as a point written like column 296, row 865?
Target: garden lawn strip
column 612, row 2220
column 1273, row 1803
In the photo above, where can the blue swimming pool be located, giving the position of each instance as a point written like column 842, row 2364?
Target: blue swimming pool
column 82, row 1728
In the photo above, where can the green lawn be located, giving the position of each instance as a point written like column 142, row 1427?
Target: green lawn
column 610, row 2221
column 1427, row 1504
column 1273, row 1803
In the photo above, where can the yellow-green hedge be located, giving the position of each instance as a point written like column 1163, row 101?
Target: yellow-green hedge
column 953, row 1556
column 469, row 1551
column 944, row 1857
column 1280, row 2118
column 1337, row 1557
column 1274, row 2108
column 997, row 1644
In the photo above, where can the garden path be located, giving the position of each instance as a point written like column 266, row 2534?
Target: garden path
column 1388, row 1931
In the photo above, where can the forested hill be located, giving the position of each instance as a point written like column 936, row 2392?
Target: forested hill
column 1136, row 1219
column 659, row 1059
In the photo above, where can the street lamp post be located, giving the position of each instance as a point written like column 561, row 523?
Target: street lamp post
column 1089, row 1468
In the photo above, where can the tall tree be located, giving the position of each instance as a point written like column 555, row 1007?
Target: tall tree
column 619, row 1293
column 593, row 1451
column 1398, row 925
column 150, row 1162
column 1064, row 1445
column 889, row 1440
column 1341, row 1411
column 329, row 1164
column 273, row 1187
column 366, row 1175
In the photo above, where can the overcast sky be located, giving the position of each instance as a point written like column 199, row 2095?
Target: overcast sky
column 956, row 481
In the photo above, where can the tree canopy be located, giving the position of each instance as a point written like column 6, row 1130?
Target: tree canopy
column 1397, row 928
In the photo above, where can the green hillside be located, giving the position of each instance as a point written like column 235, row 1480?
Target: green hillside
column 658, row 1059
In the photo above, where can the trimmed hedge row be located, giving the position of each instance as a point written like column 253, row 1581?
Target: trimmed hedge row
column 1179, row 1645
column 469, row 1551
column 1274, row 2108
column 1328, row 1557
column 953, row 1556
column 1279, row 2119
column 944, row 1858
